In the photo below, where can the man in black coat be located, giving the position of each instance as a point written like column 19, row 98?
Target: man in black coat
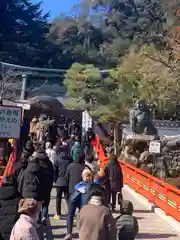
column 46, row 179
column 61, row 163
column 29, row 180
column 23, row 161
column 74, row 171
column 9, row 199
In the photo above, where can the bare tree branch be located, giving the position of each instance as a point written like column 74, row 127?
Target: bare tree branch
column 38, row 88
column 159, row 60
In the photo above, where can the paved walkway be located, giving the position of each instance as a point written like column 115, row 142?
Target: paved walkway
column 150, row 225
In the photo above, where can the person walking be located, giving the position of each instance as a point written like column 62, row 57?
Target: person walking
column 49, row 150
column 61, row 163
column 78, row 199
column 113, row 180
column 95, row 220
column 126, row 224
column 9, row 199
column 76, row 148
column 25, row 227
column 91, row 164
column 74, row 172
column 23, row 161
column 29, row 181
column 46, row 179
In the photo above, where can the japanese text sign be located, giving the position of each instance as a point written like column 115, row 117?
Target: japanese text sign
column 10, row 121
column 155, row 147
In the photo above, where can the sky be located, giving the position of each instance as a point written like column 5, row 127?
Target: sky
column 57, row 6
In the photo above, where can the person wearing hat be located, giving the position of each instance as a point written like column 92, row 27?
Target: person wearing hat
column 25, row 227
column 126, row 224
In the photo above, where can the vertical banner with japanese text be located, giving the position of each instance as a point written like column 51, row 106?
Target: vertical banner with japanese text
column 10, row 121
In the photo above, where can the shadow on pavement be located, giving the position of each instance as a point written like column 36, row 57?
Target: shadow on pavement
column 45, row 232
column 140, row 218
column 154, row 235
column 61, row 236
column 142, row 211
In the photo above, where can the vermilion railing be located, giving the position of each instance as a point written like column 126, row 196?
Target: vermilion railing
column 10, row 166
column 156, row 191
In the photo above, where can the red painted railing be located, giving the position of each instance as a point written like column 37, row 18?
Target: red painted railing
column 156, row 191
column 10, row 166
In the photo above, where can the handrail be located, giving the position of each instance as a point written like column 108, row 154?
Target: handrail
column 10, row 166
column 164, row 195
column 155, row 190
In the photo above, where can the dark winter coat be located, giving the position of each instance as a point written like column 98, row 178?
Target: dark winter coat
column 22, row 163
column 29, row 181
column 74, row 129
column 127, row 227
column 46, row 174
column 70, row 143
column 74, row 174
column 114, row 176
column 9, row 200
column 60, row 166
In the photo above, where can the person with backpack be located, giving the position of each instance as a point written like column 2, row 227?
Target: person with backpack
column 126, row 224
column 76, row 148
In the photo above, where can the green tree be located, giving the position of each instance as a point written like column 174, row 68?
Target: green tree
column 84, row 84
column 148, row 75
column 23, row 33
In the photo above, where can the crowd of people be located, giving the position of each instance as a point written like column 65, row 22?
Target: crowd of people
column 67, row 161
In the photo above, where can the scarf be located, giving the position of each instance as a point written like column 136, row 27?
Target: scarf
column 95, row 200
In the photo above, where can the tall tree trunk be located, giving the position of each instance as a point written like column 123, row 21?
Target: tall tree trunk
column 117, row 137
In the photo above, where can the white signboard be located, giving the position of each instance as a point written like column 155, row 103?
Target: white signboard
column 24, row 106
column 10, row 122
column 155, row 147
column 86, row 121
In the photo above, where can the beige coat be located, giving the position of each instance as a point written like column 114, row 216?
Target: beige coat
column 95, row 222
column 33, row 125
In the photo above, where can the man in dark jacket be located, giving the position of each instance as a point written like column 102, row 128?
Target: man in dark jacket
column 114, row 179
column 29, row 180
column 74, row 172
column 9, row 199
column 61, row 163
column 46, row 179
column 22, row 163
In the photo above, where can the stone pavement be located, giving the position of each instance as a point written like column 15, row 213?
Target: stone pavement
column 150, row 225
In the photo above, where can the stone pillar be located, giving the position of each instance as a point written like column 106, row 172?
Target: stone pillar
column 23, row 89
